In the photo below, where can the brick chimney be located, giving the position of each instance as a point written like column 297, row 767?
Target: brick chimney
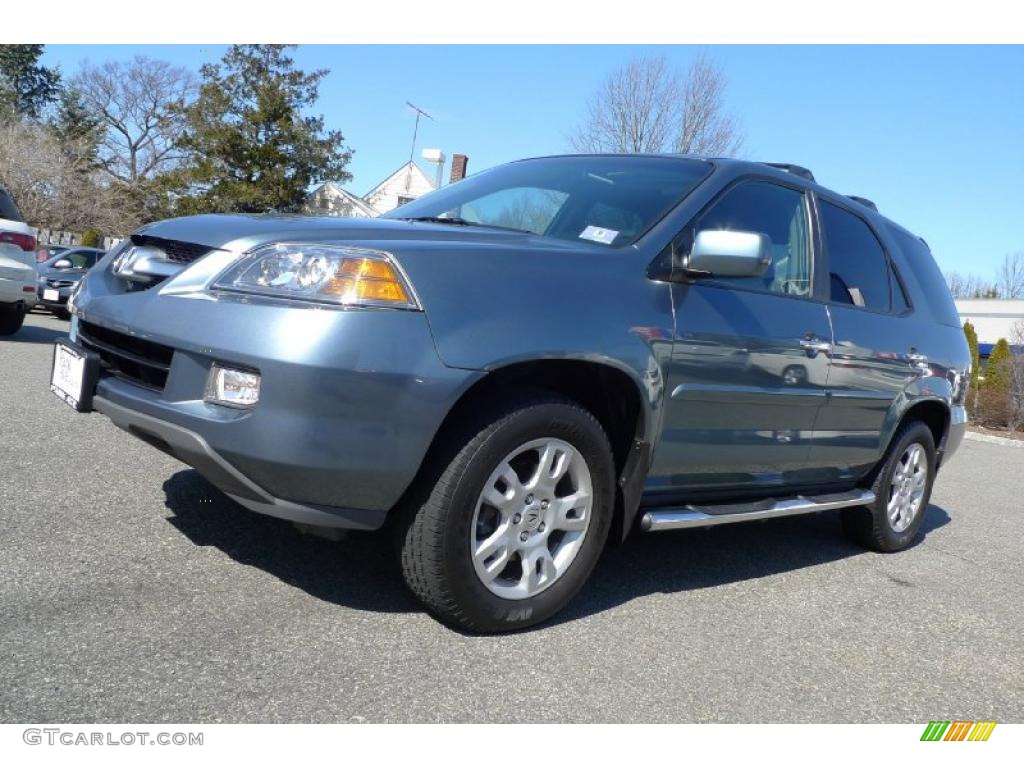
column 459, row 163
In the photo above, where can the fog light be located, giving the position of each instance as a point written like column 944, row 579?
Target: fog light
column 230, row 386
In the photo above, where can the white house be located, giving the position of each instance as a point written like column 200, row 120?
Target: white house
column 993, row 319
column 331, row 200
column 402, row 186
column 405, row 184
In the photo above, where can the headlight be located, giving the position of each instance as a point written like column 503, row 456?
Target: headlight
column 330, row 274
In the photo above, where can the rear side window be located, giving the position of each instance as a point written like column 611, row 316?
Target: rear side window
column 919, row 260
column 8, row 210
column 858, row 269
column 900, row 303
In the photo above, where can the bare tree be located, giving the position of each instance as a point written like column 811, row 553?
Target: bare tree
column 54, row 182
column 647, row 106
column 1010, row 278
column 634, row 110
column 970, row 287
column 704, row 126
column 1017, row 376
column 139, row 103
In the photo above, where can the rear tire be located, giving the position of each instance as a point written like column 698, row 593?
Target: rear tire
column 11, row 318
column 902, row 487
column 452, row 524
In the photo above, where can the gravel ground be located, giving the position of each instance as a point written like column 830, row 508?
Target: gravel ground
column 130, row 590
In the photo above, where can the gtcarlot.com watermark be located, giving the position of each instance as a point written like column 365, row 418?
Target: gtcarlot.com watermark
column 72, row 738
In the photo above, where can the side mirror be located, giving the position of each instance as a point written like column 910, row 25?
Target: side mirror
column 62, row 264
column 726, row 253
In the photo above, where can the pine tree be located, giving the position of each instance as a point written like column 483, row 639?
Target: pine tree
column 249, row 145
column 997, row 369
column 972, row 343
column 25, row 86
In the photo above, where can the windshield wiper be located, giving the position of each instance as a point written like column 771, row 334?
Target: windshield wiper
column 458, row 222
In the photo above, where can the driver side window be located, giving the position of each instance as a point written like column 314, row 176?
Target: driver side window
column 772, row 210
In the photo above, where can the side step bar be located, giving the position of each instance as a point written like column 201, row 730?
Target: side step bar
column 692, row 516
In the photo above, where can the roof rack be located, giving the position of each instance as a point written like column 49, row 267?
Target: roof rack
column 796, row 170
column 863, row 201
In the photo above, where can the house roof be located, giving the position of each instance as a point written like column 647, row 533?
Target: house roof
column 354, row 200
column 412, row 168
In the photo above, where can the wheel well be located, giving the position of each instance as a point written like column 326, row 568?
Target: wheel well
column 935, row 415
column 607, row 392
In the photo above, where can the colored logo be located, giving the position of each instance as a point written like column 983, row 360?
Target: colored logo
column 958, row 730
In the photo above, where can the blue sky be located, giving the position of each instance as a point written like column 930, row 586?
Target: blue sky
column 932, row 134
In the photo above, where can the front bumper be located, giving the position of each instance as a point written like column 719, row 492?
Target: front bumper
column 62, row 300
column 191, row 448
column 349, row 403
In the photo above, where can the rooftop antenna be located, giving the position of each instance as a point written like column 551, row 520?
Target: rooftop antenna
column 416, row 130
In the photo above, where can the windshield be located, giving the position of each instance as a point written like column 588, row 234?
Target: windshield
column 610, row 200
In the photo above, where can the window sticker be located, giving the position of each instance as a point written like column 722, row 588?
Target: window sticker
column 599, row 235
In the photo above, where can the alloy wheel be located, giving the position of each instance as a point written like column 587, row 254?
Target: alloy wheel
column 531, row 518
column 907, row 487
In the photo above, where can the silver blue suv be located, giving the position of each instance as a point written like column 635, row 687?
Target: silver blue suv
column 521, row 367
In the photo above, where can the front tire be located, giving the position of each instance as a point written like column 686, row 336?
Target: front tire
column 516, row 520
column 902, row 487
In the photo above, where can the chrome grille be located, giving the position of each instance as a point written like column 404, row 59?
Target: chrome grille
column 176, row 250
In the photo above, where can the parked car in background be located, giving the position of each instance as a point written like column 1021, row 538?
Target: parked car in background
column 59, row 276
column 519, row 367
column 17, row 266
column 47, row 252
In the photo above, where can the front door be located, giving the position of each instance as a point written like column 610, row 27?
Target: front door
column 750, row 360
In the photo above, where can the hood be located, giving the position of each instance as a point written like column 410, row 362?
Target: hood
column 241, row 231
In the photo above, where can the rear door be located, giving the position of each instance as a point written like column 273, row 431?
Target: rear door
column 874, row 357
column 750, row 361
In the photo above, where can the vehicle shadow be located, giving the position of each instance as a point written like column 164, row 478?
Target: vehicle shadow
column 36, row 334
column 679, row 561
column 361, row 571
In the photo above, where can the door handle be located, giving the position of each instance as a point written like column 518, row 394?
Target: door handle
column 814, row 345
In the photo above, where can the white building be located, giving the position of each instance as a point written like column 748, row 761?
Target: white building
column 401, row 187
column 993, row 319
column 331, row 200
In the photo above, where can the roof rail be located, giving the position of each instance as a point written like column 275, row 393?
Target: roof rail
column 863, row 201
column 796, row 170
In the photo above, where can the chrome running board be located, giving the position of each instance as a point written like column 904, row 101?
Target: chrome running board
column 693, row 516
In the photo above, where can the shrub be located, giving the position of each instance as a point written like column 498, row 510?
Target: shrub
column 992, row 408
column 91, row 238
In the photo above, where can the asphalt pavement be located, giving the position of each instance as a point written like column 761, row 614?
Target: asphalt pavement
column 130, row 590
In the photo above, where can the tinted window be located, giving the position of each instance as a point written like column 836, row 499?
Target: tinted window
column 8, row 210
column 781, row 214
column 924, row 269
column 858, row 269
column 605, row 200
column 81, row 259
